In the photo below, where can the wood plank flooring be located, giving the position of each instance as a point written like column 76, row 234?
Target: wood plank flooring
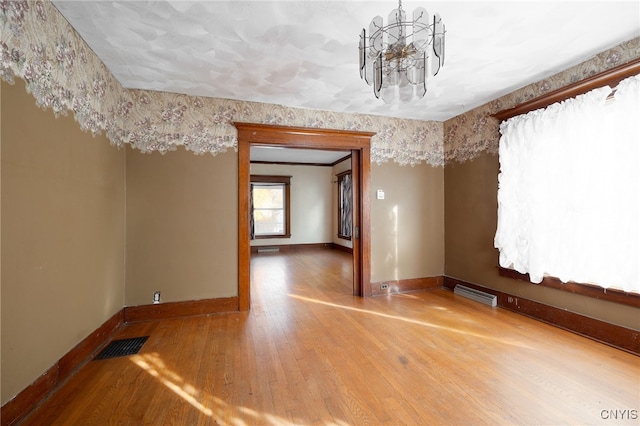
column 309, row 353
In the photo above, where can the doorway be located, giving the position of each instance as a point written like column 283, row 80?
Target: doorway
column 306, row 138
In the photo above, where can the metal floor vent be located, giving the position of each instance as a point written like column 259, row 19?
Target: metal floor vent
column 477, row 295
column 268, row 250
column 122, row 347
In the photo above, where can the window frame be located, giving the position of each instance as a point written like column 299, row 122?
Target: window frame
column 340, row 177
column 590, row 290
column 285, row 181
column 611, row 78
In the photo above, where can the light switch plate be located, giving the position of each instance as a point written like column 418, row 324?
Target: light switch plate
column 380, row 194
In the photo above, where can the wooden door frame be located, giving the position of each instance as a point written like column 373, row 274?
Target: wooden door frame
column 358, row 143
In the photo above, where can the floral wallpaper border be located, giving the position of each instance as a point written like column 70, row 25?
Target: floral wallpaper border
column 62, row 73
column 475, row 132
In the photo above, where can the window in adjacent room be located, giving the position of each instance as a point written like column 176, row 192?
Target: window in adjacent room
column 344, row 205
column 270, row 206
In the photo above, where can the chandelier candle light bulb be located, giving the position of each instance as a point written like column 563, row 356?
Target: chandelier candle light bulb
column 397, row 58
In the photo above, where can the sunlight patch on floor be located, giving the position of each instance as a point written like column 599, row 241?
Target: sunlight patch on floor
column 415, row 297
column 153, row 365
column 410, row 320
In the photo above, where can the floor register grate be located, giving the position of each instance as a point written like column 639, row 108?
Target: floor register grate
column 122, row 347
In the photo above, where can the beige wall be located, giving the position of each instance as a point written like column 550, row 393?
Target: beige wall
column 62, row 236
column 310, row 203
column 470, row 224
column 182, row 226
column 407, row 227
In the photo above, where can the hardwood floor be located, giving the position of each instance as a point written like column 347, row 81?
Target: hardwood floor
column 310, row 353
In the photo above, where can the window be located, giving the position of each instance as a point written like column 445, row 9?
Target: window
column 569, row 195
column 344, row 205
column 270, row 206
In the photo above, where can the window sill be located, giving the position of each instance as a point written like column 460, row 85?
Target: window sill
column 611, row 295
column 264, row 237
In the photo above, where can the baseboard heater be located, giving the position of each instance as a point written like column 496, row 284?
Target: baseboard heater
column 268, row 250
column 477, row 295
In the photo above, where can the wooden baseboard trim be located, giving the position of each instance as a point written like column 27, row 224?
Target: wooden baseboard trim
column 292, row 247
column 617, row 336
column 403, row 286
column 180, row 309
column 16, row 409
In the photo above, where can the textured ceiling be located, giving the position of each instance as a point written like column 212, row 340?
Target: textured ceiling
column 304, row 53
column 270, row 154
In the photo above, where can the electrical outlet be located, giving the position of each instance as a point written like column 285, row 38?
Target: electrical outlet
column 156, row 297
column 384, row 286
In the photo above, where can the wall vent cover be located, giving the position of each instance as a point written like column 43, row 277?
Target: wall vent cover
column 122, row 347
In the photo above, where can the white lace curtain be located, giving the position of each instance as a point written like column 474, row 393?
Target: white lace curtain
column 569, row 190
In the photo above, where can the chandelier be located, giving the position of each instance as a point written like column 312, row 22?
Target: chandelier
column 397, row 58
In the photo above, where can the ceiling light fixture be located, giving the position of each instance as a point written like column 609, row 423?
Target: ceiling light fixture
column 397, row 58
